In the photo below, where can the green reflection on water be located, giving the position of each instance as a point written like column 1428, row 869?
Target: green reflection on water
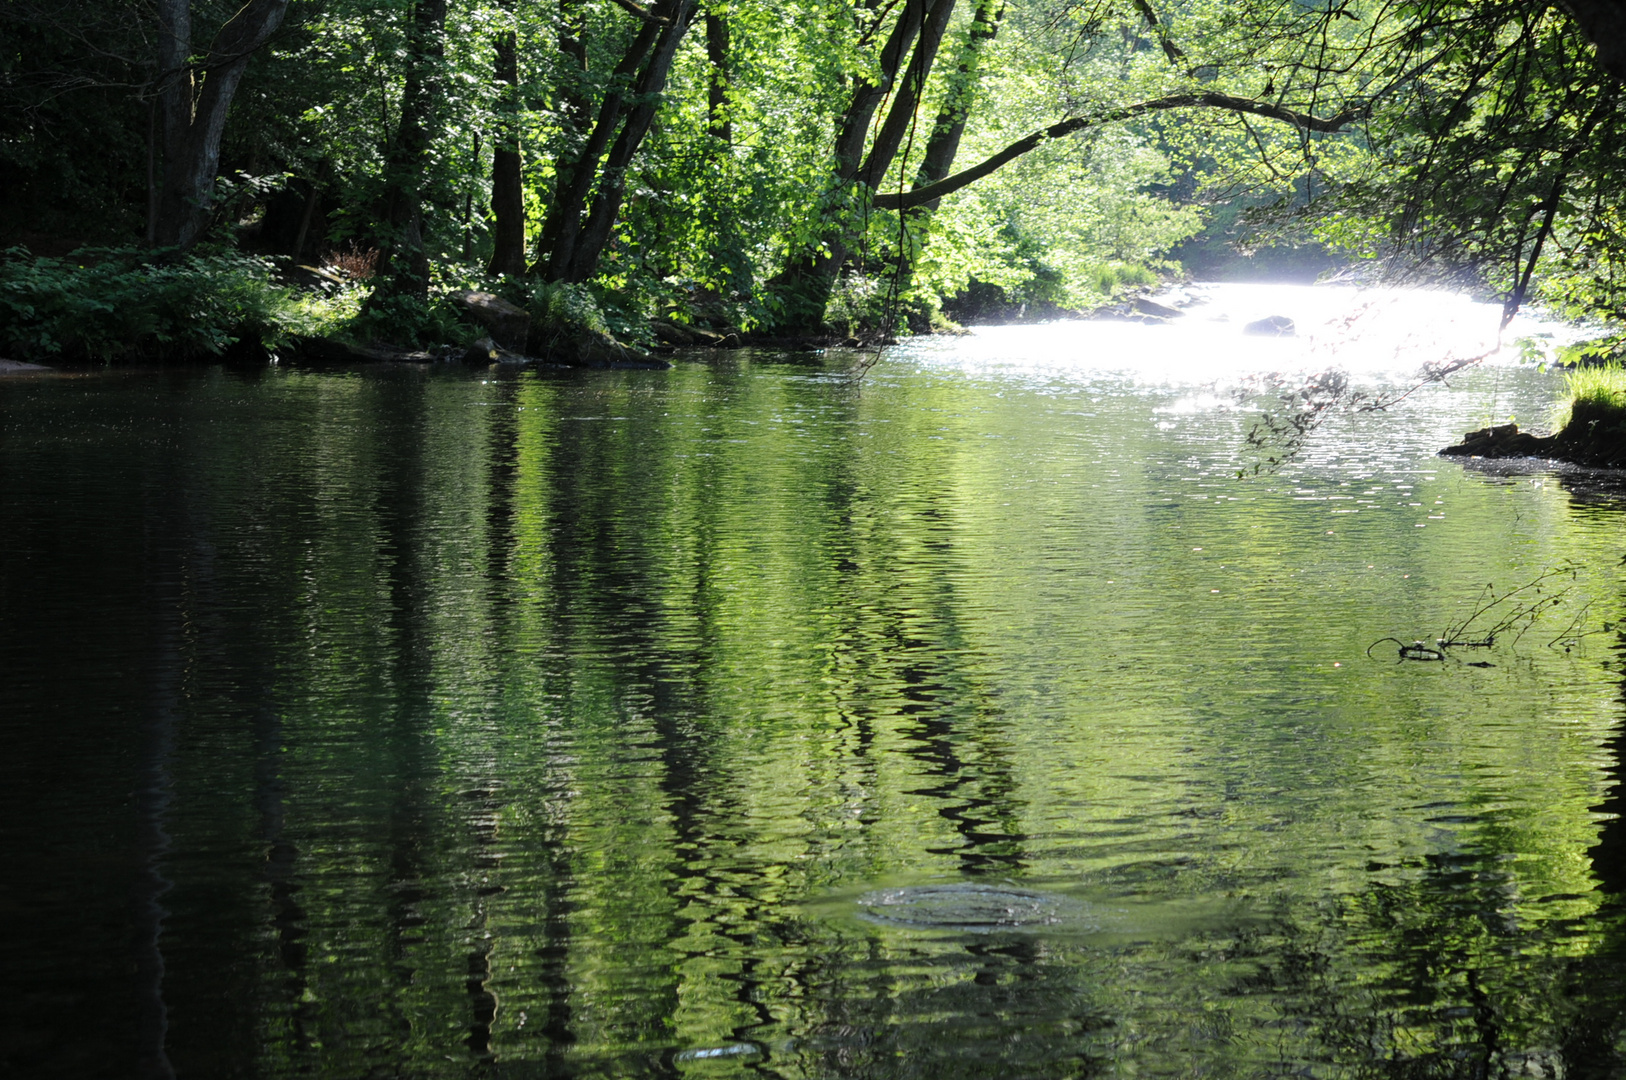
column 551, row 725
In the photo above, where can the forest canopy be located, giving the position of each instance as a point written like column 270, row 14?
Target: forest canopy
column 789, row 168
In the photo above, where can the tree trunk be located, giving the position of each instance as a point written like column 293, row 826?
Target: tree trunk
column 717, row 122
column 906, row 101
column 507, row 181
column 944, row 144
column 579, row 222
column 312, row 200
column 805, row 284
column 174, row 77
column 612, row 183
column 867, row 96
column 1604, row 24
column 564, row 221
column 192, row 152
column 958, row 96
column 405, row 263
column 574, row 113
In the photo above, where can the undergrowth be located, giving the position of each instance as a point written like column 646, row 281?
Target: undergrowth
column 121, row 303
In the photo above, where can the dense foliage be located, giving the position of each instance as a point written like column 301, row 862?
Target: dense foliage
column 746, row 163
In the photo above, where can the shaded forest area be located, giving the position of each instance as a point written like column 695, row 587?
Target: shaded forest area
column 192, row 177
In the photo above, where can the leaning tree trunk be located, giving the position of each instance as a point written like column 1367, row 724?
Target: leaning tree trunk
column 507, row 182
column 193, row 127
column 405, row 264
column 612, row 184
column 958, row 96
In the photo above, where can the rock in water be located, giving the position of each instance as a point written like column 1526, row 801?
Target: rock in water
column 1155, row 309
column 1271, row 326
column 962, row 907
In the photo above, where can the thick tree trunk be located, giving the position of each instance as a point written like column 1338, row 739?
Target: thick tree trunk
column 507, row 180
column 405, row 264
column 174, row 81
column 192, row 152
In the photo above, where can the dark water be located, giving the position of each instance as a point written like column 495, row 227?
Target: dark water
column 422, row 723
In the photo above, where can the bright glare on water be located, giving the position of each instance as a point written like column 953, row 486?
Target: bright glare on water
column 1371, row 333
column 972, row 719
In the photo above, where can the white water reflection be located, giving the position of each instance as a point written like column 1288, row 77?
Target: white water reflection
column 1383, row 335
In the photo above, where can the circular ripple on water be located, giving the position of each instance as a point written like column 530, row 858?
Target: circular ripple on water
column 963, row 907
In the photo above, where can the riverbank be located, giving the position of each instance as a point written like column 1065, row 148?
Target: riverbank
column 1592, row 432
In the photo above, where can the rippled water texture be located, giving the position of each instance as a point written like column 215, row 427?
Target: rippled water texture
column 437, row 723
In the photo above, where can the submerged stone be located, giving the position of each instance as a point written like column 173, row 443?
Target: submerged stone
column 964, row 906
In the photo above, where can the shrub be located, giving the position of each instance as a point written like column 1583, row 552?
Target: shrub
column 112, row 303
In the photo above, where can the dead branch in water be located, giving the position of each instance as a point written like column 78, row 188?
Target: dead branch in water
column 1498, row 615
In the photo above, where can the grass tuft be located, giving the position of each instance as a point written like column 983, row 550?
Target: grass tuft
column 1593, row 390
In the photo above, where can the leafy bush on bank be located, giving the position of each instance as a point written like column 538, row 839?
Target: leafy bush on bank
column 122, row 303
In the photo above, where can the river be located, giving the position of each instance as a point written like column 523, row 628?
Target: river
column 412, row 721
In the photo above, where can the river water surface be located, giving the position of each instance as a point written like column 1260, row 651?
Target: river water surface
column 974, row 719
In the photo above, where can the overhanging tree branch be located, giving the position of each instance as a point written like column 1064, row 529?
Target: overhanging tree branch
column 1212, row 100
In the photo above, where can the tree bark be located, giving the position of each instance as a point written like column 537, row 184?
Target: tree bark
column 906, row 101
column 590, row 192
column 193, row 159
column 867, row 96
column 507, row 177
column 574, row 114
column 958, row 96
column 1603, row 22
column 809, row 276
column 174, row 77
column 564, row 221
column 948, row 129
